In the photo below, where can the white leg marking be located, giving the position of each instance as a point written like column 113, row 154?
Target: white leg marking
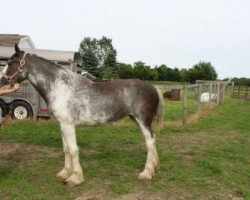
column 67, row 171
column 71, row 156
column 152, row 163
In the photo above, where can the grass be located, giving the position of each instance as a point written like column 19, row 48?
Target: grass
column 206, row 160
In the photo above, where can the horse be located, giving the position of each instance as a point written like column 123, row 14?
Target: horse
column 75, row 100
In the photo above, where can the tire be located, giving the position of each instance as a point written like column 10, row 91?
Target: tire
column 20, row 110
column 3, row 109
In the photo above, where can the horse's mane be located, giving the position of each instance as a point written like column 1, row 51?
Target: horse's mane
column 48, row 61
column 55, row 65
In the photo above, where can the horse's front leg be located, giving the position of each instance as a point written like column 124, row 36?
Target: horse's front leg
column 72, row 172
column 66, row 172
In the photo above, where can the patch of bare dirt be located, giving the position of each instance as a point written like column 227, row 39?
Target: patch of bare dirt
column 97, row 194
column 174, row 195
column 32, row 153
column 133, row 196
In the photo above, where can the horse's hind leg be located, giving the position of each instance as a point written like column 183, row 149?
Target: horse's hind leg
column 152, row 163
column 72, row 169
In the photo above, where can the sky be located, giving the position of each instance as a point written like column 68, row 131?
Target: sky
column 178, row 33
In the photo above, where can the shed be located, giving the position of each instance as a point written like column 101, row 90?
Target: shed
column 64, row 58
column 23, row 41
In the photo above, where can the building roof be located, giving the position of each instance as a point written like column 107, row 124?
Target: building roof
column 9, row 40
column 53, row 55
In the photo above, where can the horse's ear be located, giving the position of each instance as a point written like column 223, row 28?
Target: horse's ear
column 17, row 48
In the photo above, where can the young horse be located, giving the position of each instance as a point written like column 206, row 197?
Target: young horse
column 75, row 100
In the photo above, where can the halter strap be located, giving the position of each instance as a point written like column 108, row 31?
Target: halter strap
column 22, row 61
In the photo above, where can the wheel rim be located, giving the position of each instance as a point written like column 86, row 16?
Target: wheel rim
column 20, row 112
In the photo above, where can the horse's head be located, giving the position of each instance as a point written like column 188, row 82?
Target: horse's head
column 14, row 71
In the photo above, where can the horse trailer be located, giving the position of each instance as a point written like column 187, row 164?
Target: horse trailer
column 26, row 102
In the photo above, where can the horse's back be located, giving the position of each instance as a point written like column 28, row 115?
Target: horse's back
column 121, row 84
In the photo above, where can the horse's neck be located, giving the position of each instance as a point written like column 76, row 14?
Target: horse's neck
column 46, row 77
column 42, row 74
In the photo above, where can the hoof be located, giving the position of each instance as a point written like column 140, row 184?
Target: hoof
column 145, row 175
column 74, row 180
column 63, row 175
column 71, row 184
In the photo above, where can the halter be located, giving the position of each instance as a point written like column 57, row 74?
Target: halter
column 20, row 70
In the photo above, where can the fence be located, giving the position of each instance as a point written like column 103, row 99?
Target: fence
column 241, row 92
column 185, row 103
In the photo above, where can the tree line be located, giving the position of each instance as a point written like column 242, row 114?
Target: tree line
column 99, row 59
column 240, row 81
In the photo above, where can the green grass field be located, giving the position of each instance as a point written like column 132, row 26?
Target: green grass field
column 209, row 159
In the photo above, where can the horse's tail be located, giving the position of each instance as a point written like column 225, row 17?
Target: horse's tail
column 158, row 120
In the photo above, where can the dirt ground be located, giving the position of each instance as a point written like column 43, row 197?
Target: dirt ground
column 27, row 151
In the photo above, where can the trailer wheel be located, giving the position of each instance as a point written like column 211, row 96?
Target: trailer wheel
column 3, row 109
column 20, row 110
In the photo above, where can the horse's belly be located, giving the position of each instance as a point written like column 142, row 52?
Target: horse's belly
column 99, row 118
column 93, row 119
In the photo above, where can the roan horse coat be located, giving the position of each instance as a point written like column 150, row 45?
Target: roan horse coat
column 75, row 100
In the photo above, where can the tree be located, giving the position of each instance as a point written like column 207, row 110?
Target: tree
column 241, row 81
column 110, row 65
column 168, row 74
column 107, row 56
column 184, row 75
column 90, row 60
column 99, row 56
column 162, row 72
column 173, row 74
column 153, row 74
column 202, row 71
column 107, row 74
column 141, row 71
column 125, row 71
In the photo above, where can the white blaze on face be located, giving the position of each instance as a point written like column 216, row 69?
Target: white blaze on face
column 3, row 71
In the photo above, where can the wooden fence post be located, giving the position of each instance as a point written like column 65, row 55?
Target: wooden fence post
column 196, row 88
column 232, row 89
column 199, row 89
column 185, row 105
column 223, row 92
column 246, row 95
column 239, row 88
column 218, row 93
column 210, row 95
